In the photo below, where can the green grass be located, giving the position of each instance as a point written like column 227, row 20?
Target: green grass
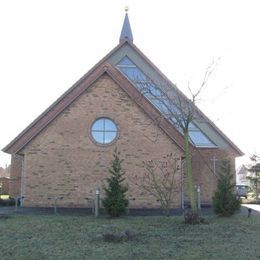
column 70, row 237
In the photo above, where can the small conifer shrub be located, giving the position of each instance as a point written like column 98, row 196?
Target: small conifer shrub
column 225, row 201
column 115, row 201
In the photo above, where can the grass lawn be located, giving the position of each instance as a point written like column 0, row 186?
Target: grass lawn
column 70, row 237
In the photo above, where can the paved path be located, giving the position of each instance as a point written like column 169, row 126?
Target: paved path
column 254, row 207
column 132, row 212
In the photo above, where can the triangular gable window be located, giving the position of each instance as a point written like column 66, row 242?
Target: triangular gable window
column 126, row 61
column 159, row 99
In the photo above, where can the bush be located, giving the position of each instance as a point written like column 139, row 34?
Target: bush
column 160, row 181
column 225, row 201
column 193, row 218
column 115, row 201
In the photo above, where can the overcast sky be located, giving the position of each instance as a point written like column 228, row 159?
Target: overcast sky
column 46, row 46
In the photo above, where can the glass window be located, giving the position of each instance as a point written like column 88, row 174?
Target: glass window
column 109, row 137
column 156, row 96
column 199, row 139
column 104, row 131
column 109, row 125
column 192, row 127
column 161, row 105
column 125, row 61
column 98, row 125
column 133, row 73
column 213, row 166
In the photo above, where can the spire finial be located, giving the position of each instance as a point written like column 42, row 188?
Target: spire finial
column 126, row 33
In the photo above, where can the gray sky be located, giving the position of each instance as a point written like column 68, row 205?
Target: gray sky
column 46, row 46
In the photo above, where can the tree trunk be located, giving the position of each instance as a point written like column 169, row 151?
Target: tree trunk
column 256, row 187
column 188, row 168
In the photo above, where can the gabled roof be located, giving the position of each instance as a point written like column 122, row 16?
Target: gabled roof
column 126, row 39
column 179, row 94
column 73, row 93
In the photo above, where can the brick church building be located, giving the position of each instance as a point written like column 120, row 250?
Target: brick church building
column 67, row 150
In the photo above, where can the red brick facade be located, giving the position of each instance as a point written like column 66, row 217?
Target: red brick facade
column 15, row 176
column 64, row 161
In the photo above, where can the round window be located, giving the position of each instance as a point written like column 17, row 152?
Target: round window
column 104, row 131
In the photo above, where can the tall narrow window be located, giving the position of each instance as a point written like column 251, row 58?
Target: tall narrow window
column 213, row 166
column 159, row 99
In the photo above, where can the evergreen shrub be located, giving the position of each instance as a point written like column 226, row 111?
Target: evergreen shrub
column 115, row 201
column 225, row 201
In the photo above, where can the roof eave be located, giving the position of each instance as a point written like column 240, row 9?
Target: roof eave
column 7, row 148
column 232, row 145
column 26, row 136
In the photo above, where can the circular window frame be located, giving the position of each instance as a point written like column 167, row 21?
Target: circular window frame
column 104, row 144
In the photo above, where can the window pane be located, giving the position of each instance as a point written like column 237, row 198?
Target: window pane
column 193, row 127
column 156, row 96
column 213, row 163
column 98, row 136
column 155, row 91
column 129, row 72
column 160, row 105
column 98, row 125
column 109, row 125
column 104, row 131
column 199, row 138
column 125, row 61
column 109, row 137
column 133, row 74
column 139, row 75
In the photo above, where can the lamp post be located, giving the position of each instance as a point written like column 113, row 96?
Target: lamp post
column 97, row 198
column 198, row 196
column 56, row 198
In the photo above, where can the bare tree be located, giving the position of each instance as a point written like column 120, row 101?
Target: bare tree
column 180, row 111
column 160, row 180
column 254, row 175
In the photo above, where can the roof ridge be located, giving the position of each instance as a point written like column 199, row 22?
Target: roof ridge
column 98, row 65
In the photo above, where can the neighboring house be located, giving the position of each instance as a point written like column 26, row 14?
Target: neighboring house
column 67, row 150
column 241, row 176
column 254, row 178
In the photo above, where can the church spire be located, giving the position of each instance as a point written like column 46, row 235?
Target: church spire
column 126, row 33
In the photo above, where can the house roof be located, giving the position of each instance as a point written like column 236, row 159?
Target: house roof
column 63, row 102
column 98, row 70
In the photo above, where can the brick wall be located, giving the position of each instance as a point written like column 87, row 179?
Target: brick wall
column 204, row 174
column 64, row 161
column 15, row 176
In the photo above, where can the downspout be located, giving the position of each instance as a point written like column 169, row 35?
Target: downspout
column 21, row 159
column 22, row 182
